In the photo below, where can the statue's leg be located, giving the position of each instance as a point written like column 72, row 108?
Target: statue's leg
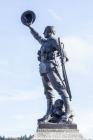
column 57, row 85
column 49, row 97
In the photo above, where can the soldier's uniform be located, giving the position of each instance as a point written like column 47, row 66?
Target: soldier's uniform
column 48, row 68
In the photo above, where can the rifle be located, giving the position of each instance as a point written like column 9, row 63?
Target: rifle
column 64, row 70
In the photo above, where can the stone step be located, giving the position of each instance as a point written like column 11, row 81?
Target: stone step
column 58, row 132
column 63, row 139
column 74, row 138
column 58, row 136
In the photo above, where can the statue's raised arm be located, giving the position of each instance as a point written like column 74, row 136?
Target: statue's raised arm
column 36, row 35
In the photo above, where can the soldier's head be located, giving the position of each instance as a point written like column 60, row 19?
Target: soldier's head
column 49, row 31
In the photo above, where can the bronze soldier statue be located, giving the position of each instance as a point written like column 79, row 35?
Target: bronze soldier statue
column 48, row 67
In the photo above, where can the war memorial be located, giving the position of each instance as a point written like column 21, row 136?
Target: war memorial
column 57, row 123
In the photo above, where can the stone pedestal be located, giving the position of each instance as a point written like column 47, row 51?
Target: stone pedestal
column 50, row 131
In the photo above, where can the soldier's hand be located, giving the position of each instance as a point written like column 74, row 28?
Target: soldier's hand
column 67, row 59
column 28, row 24
column 70, row 98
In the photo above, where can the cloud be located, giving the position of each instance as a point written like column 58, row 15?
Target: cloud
column 85, row 123
column 18, row 125
column 80, row 53
column 18, row 117
column 54, row 14
column 20, row 96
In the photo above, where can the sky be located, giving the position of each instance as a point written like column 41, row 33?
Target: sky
column 22, row 100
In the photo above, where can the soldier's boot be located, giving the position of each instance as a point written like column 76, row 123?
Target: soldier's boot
column 68, row 111
column 47, row 116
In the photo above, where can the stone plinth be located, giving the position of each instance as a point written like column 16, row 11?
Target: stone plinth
column 50, row 131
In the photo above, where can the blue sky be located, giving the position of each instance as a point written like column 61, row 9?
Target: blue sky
column 22, row 100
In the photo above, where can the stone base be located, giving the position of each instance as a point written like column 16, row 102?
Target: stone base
column 57, row 126
column 50, row 131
